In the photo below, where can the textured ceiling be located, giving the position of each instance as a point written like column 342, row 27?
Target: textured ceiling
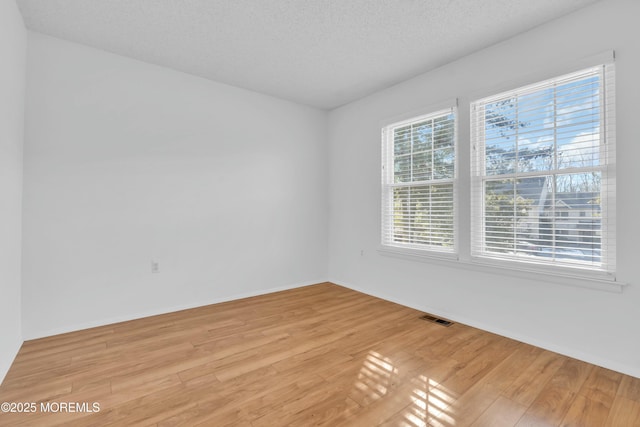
column 322, row 53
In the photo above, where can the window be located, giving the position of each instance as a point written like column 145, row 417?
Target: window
column 539, row 153
column 418, row 188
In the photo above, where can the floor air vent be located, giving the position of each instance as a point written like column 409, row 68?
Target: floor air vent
column 434, row 319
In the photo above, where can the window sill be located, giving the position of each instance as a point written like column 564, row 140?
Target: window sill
column 589, row 280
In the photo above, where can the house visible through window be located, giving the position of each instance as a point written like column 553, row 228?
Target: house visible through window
column 419, row 183
column 543, row 190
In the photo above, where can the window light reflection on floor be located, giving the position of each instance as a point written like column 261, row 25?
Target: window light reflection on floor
column 375, row 377
column 428, row 403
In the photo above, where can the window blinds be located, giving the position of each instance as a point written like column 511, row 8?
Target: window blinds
column 543, row 184
column 418, row 182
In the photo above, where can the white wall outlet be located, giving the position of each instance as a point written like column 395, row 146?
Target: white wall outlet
column 155, row 267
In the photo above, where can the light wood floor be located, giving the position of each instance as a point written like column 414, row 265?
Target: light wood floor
column 319, row 355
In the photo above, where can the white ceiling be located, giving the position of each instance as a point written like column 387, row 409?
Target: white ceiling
column 322, row 53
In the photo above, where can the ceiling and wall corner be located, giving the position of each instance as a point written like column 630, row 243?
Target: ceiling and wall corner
column 323, row 53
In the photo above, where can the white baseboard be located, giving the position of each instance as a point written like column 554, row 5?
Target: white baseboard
column 585, row 357
column 595, row 360
column 32, row 335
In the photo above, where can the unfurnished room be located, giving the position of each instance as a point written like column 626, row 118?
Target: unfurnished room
column 319, row 212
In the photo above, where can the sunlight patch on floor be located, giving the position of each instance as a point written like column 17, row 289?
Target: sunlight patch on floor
column 430, row 404
column 375, row 376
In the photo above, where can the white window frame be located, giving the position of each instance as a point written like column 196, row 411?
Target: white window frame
column 415, row 251
column 606, row 272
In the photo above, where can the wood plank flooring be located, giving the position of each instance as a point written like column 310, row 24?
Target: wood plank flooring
column 318, row 355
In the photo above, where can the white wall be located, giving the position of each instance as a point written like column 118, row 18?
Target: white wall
column 593, row 325
column 13, row 47
column 126, row 162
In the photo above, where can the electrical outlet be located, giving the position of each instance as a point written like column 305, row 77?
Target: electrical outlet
column 155, row 267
